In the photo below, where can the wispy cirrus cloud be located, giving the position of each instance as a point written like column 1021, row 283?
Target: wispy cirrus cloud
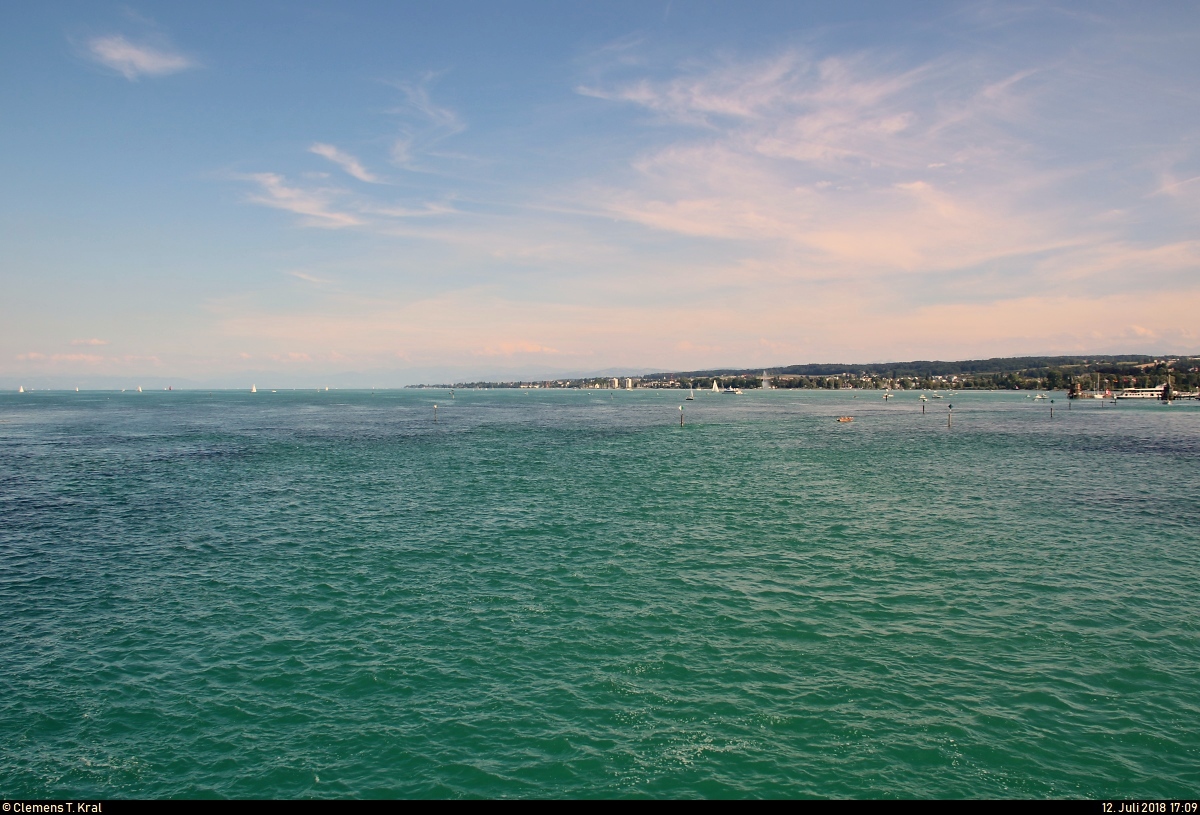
column 309, row 278
column 315, row 205
column 426, row 122
column 347, row 162
column 133, row 60
column 92, row 341
column 418, row 100
column 853, row 162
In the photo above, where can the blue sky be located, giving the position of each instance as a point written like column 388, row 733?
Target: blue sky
column 386, row 193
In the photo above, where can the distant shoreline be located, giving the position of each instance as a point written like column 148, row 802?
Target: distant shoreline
column 998, row 373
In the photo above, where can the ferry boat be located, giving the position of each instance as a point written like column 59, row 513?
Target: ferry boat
column 1141, row 393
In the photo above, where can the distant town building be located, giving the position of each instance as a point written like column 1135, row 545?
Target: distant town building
column 616, row 383
column 628, row 384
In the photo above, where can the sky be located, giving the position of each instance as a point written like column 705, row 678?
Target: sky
column 379, row 194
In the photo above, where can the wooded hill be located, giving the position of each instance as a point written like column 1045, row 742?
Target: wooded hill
column 924, row 369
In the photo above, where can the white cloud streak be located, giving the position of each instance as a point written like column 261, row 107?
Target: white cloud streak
column 417, row 96
column 313, row 204
column 309, row 278
column 346, row 161
column 133, row 60
column 845, row 160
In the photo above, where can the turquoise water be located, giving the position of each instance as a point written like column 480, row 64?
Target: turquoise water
column 567, row 594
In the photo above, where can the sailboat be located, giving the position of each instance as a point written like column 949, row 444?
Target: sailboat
column 253, row 389
column 139, row 388
column 691, row 395
column 20, row 388
column 715, row 388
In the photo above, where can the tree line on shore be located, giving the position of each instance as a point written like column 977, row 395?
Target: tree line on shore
column 1012, row 373
column 1006, row 373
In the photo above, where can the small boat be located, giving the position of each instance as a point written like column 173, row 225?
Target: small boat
column 1039, row 396
column 887, row 396
column 845, row 418
column 922, row 398
column 732, row 391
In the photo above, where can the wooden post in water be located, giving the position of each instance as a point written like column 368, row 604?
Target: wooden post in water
column 950, row 417
column 681, row 415
column 435, row 414
column 922, row 408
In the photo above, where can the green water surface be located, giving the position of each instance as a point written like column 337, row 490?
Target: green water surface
column 567, row 594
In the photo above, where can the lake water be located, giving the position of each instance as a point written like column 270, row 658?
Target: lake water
column 567, row 594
